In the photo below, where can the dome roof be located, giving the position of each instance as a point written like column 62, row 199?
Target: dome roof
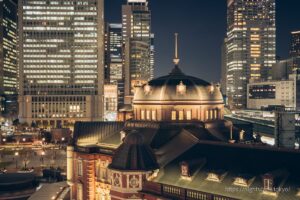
column 178, row 87
column 134, row 155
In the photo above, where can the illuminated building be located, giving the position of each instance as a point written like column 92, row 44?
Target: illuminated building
column 295, row 44
column 114, row 59
column 8, row 57
column 172, row 115
column 61, row 61
column 273, row 93
column 110, row 102
column 136, row 23
column 251, row 45
column 152, row 56
column 224, row 68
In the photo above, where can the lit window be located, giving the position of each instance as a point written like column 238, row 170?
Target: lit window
column 240, row 182
column 189, row 115
column 268, row 184
column 148, row 115
column 181, row 88
column 79, row 191
column 79, row 168
column 181, row 116
column 215, row 114
column 154, row 115
column 213, row 177
column 142, row 115
column 174, row 115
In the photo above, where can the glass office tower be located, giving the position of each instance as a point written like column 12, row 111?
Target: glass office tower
column 61, row 61
column 136, row 23
column 251, row 34
column 8, row 58
column 295, row 44
column 114, row 87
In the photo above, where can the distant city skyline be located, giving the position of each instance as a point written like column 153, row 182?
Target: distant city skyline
column 202, row 27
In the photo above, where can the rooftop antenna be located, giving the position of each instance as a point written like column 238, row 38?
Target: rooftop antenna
column 176, row 59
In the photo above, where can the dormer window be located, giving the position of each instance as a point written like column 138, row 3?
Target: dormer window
column 213, row 177
column 240, row 182
column 147, row 89
column 123, row 135
column 216, row 176
column 185, row 170
column 181, row 89
column 244, row 180
column 268, row 182
column 212, row 89
column 298, row 193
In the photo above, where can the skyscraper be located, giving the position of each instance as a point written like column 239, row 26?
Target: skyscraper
column 251, row 34
column 295, row 44
column 114, row 52
column 136, row 22
column 224, row 67
column 8, row 57
column 152, row 56
column 61, row 61
column 114, row 87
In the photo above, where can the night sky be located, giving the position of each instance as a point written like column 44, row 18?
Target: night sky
column 201, row 25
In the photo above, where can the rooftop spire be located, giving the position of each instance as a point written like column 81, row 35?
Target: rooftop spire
column 176, row 59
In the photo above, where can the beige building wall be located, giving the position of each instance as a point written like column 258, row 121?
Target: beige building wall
column 285, row 95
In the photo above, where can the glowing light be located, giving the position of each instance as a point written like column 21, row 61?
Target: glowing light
column 181, row 88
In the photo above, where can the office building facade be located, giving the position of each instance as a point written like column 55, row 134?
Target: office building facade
column 273, row 93
column 295, row 44
column 61, row 61
column 136, row 23
column 224, row 67
column 114, row 71
column 8, row 58
column 284, row 68
column 251, row 34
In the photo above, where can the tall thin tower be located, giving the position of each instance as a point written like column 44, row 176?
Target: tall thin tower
column 251, row 34
column 61, row 61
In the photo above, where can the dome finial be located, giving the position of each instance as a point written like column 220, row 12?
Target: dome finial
column 176, row 59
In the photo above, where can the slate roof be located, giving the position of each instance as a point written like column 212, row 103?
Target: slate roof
column 134, row 154
column 234, row 161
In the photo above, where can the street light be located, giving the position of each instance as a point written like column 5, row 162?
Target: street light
column 42, row 157
column 24, row 139
column 16, row 155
